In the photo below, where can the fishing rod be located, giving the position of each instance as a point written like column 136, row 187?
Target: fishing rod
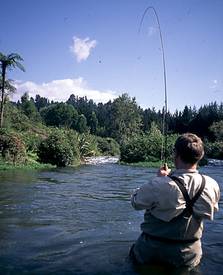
column 164, row 124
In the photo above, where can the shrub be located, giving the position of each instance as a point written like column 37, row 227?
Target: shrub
column 133, row 150
column 87, row 145
column 143, row 147
column 31, row 140
column 108, row 146
column 214, row 150
column 56, row 150
column 72, row 137
column 15, row 119
column 146, row 147
column 12, row 148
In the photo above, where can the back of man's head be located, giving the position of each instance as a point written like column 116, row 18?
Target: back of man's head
column 189, row 147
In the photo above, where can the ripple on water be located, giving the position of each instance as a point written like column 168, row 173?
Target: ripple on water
column 80, row 221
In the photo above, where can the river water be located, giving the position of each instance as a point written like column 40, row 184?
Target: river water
column 80, row 221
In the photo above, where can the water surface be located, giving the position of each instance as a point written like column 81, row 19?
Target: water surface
column 80, row 221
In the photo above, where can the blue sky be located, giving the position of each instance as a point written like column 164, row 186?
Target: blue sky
column 93, row 48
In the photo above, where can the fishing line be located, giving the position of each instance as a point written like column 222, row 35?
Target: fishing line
column 164, row 124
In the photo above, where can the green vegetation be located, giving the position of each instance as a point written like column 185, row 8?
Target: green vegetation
column 9, row 166
column 36, row 131
column 108, row 146
column 146, row 147
column 12, row 147
column 55, row 150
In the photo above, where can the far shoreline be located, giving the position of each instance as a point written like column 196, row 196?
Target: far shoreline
column 144, row 164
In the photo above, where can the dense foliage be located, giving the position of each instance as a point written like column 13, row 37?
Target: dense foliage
column 147, row 146
column 12, row 148
column 64, row 133
column 56, row 150
column 108, row 146
column 122, row 118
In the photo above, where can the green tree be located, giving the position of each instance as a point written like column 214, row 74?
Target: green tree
column 59, row 114
column 41, row 102
column 126, row 119
column 217, row 129
column 28, row 107
column 93, row 123
column 7, row 62
column 104, row 118
column 81, row 125
column 149, row 116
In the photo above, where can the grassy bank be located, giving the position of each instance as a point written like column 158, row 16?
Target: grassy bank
column 28, row 166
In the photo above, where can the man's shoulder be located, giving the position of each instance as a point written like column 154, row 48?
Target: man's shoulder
column 164, row 183
column 210, row 182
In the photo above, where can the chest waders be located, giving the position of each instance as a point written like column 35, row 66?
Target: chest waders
column 185, row 228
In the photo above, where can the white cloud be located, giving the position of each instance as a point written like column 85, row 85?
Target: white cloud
column 81, row 48
column 60, row 90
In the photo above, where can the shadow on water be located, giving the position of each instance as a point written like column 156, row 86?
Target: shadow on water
column 80, row 221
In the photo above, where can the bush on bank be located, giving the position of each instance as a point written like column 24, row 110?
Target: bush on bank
column 108, row 146
column 67, row 147
column 62, row 147
column 147, row 147
column 56, row 150
column 214, row 150
column 12, row 147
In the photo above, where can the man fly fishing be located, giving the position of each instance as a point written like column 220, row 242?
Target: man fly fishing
column 175, row 206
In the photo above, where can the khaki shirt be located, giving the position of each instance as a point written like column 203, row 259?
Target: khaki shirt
column 165, row 201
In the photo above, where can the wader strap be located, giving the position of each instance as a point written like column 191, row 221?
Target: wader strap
column 187, row 211
column 197, row 195
column 189, row 202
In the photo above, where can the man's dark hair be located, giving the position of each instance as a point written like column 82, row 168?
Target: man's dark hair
column 189, row 147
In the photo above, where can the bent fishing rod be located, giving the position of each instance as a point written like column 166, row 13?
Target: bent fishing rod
column 164, row 124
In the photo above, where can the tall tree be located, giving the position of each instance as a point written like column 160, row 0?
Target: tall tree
column 217, row 129
column 126, row 118
column 41, row 102
column 59, row 115
column 9, row 88
column 7, row 62
column 28, row 107
column 81, row 125
column 93, row 123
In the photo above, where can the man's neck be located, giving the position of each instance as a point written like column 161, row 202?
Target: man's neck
column 186, row 166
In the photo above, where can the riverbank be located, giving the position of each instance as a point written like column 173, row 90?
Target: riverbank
column 96, row 161
column 157, row 164
column 26, row 166
column 33, row 164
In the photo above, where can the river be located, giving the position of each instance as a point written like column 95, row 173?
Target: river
column 80, row 221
